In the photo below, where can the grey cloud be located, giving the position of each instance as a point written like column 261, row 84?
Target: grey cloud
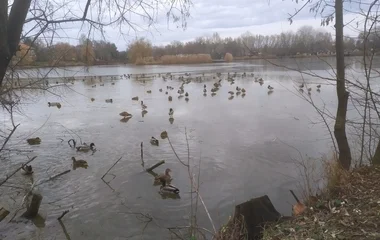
column 229, row 18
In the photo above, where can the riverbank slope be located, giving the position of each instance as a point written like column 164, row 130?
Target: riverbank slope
column 348, row 210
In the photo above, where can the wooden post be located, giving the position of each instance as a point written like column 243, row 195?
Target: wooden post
column 3, row 213
column 34, row 206
column 155, row 165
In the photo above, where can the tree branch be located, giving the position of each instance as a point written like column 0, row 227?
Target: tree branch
column 18, row 169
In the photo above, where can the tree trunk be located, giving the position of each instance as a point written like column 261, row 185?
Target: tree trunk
column 256, row 212
column 10, row 31
column 340, row 122
column 376, row 157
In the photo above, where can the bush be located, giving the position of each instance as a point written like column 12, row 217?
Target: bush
column 228, row 57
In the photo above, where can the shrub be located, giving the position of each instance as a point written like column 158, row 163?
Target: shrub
column 228, row 57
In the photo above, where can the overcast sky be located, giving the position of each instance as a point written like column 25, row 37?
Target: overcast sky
column 227, row 17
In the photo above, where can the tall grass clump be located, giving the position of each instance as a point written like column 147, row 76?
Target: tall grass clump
column 186, row 59
column 228, row 57
column 334, row 175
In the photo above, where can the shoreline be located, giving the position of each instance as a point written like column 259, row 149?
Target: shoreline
column 236, row 59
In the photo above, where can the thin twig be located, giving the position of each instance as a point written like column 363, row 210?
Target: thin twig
column 9, row 137
column 175, row 153
column 111, row 167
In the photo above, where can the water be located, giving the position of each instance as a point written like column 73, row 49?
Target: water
column 245, row 146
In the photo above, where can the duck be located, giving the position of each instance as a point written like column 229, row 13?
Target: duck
column 204, row 86
column 149, row 91
column 168, row 188
column 205, row 94
column 243, row 90
column 318, row 90
column 309, row 89
column 205, row 90
column 187, row 99
column 113, row 83
column 163, row 177
column 109, row 100
column 53, row 104
column 94, row 86
column 243, row 95
column 86, row 148
column 231, row 92
column 27, row 168
column 270, row 87
column 186, row 94
column 301, row 86
column 166, row 93
column 125, row 114
column 160, row 89
column 79, row 163
column 237, row 88
column 170, row 98
column 154, row 141
column 143, row 105
column 102, row 85
column 319, row 86
column 92, row 99
column 213, row 94
column 231, row 97
column 34, row 141
column 171, row 112
column 135, row 98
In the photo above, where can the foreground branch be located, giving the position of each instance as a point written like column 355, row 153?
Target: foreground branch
column 18, row 169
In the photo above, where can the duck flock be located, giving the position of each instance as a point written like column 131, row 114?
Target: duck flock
column 214, row 84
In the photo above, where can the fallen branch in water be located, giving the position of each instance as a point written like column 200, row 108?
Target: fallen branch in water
column 111, row 167
column 64, row 230
column 142, row 155
column 54, row 177
column 155, row 166
column 18, row 169
column 58, row 175
column 63, row 214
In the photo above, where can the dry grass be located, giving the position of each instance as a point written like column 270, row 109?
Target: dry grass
column 235, row 229
column 350, row 209
column 335, row 176
column 228, row 57
column 186, row 59
column 145, row 61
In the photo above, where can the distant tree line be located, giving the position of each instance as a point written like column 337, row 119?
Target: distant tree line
column 307, row 40
column 87, row 52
